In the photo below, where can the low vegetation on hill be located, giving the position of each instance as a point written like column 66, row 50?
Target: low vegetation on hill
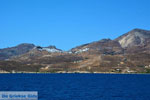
column 129, row 53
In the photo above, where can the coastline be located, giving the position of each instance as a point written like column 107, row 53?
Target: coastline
column 73, row 73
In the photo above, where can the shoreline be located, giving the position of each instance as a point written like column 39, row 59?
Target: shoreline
column 82, row 73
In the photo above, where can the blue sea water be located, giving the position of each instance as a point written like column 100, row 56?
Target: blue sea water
column 80, row 86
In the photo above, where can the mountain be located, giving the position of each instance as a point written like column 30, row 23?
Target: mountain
column 14, row 51
column 104, row 46
column 129, row 53
column 132, row 39
column 135, row 37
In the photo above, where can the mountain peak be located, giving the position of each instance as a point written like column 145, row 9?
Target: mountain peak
column 26, row 44
column 134, row 37
column 105, row 40
column 138, row 30
column 15, row 51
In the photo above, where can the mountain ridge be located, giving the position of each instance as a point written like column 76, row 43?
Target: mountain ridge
column 129, row 53
column 133, row 37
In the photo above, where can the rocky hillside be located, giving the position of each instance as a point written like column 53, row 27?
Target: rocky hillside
column 14, row 51
column 104, row 46
column 136, row 37
column 129, row 53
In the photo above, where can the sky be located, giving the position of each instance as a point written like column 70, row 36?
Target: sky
column 69, row 23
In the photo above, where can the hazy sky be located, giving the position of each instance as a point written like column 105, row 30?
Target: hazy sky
column 68, row 23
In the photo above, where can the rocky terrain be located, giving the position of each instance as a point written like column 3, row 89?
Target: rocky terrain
column 129, row 53
column 14, row 51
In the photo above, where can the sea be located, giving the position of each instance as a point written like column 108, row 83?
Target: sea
column 80, row 86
